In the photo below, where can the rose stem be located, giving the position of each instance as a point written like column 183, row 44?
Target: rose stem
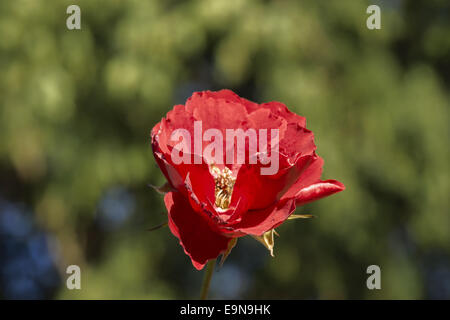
column 207, row 278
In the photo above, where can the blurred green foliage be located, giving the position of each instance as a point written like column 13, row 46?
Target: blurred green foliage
column 76, row 109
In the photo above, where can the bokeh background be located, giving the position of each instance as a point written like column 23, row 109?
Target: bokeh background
column 77, row 107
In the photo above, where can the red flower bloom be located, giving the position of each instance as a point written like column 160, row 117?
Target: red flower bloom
column 212, row 202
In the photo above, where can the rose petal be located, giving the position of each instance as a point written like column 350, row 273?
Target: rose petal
column 281, row 110
column 264, row 119
column 309, row 187
column 267, row 189
column 216, row 113
column 231, row 96
column 200, row 192
column 256, row 222
column 297, row 141
column 310, row 175
column 177, row 118
column 318, row 191
column 196, row 237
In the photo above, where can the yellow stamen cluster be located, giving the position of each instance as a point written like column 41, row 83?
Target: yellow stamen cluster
column 224, row 183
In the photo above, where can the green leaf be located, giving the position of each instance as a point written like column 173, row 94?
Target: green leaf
column 163, row 189
column 225, row 255
column 267, row 239
column 300, row 216
column 158, row 226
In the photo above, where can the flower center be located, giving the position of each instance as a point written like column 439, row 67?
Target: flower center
column 224, row 183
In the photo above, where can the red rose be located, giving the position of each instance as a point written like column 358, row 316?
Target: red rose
column 212, row 200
